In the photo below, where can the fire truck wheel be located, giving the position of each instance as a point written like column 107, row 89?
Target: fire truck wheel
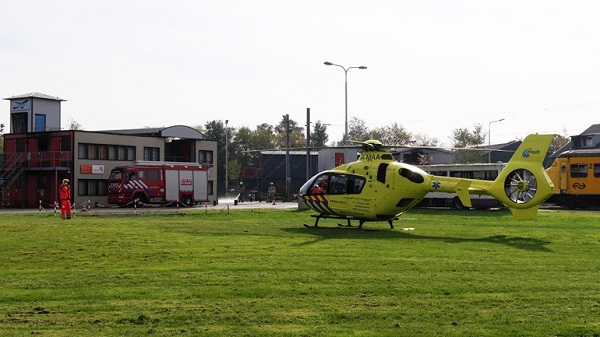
column 187, row 200
column 141, row 198
column 457, row 204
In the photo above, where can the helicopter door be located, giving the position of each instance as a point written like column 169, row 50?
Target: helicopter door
column 381, row 171
column 386, row 176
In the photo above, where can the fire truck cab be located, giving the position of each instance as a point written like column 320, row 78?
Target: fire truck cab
column 158, row 183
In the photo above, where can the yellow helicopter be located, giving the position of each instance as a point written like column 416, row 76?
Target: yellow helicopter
column 379, row 188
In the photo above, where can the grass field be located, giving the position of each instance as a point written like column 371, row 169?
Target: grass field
column 261, row 273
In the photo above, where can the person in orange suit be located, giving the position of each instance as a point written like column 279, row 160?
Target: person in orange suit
column 64, row 194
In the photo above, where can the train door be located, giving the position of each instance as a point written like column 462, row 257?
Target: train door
column 563, row 177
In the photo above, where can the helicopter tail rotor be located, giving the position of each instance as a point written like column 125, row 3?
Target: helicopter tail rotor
column 523, row 184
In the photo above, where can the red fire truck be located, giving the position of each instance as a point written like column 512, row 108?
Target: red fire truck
column 158, row 183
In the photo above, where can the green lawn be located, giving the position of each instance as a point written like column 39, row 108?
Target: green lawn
column 261, row 273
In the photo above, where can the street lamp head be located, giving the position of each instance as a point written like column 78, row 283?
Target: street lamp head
column 328, row 63
column 362, row 67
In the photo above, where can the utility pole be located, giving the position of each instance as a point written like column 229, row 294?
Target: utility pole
column 287, row 156
column 226, row 155
column 308, row 143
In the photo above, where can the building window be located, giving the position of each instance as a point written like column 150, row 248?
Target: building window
column 106, row 152
column 151, row 153
column 65, row 143
column 19, row 122
column 20, row 144
column 82, row 150
column 102, row 152
column 40, row 123
column 112, row 152
column 43, row 143
column 130, row 153
column 205, row 157
column 210, row 187
column 92, row 150
column 92, row 187
column 121, row 153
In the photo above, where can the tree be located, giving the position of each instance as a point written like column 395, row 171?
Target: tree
column 463, row 137
column 215, row 130
column 559, row 141
column 319, row 137
column 264, row 137
column 234, row 169
column 394, row 134
column 424, row 140
column 73, row 124
column 358, row 130
column 244, row 143
column 297, row 138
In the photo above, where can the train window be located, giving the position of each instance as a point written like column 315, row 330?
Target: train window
column 597, row 170
column 579, row 170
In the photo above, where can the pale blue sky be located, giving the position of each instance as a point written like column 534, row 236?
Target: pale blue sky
column 432, row 65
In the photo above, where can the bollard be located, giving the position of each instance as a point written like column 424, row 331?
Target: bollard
column 40, row 206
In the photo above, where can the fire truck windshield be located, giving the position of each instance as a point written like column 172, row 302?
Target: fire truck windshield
column 116, row 175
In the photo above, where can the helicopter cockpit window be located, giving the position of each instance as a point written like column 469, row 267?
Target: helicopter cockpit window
column 338, row 184
column 346, row 184
column 321, row 185
column 355, row 185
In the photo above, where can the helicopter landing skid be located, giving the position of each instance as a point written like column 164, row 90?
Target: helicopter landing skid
column 325, row 216
column 360, row 221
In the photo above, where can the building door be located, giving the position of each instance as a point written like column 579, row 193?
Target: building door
column 44, row 192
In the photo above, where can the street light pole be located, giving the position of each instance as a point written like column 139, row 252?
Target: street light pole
column 345, row 92
column 490, row 138
column 226, row 155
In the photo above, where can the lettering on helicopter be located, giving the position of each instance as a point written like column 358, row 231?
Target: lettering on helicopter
column 370, row 157
column 376, row 156
column 528, row 152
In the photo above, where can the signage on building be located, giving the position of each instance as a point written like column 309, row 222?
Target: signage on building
column 20, row 105
column 91, row 169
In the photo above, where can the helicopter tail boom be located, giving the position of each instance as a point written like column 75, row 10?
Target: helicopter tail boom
column 523, row 184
